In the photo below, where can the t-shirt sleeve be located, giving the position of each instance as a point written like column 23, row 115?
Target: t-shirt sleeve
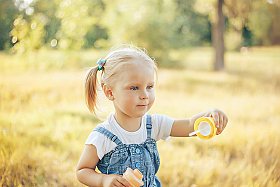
column 162, row 126
column 98, row 140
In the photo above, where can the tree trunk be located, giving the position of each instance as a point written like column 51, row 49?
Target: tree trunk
column 218, row 36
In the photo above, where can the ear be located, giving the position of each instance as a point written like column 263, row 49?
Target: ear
column 108, row 92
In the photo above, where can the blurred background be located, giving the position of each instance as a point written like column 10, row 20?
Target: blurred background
column 210, row 53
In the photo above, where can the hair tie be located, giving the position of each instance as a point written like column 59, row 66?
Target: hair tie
column 100, row 63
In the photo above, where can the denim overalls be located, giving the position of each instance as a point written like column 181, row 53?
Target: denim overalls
column 142, row 156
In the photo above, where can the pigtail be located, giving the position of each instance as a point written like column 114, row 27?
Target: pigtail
column 90, row 89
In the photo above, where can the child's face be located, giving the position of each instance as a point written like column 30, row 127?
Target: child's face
column 133, row 90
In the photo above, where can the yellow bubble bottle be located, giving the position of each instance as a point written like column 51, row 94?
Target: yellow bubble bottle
column 133, row 177
column 204, row 128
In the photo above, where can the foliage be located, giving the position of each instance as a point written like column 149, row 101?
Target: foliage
column 159, row 26
column 156, row 25
column 44, row 121
column 25, row 38
column 77, row 17
column 264, row 23
column 8, row 13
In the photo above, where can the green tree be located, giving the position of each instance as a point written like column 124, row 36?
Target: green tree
column 8, row 13
column 145, row 23
column 77, row 19
column 28, row 34
column 29, row 27
column 156, row 25
column 264, row 23
column 236, row 14
column 192, row 28
column 214, row 8
column 48, row 8
column 218, row 36
column 63, row 24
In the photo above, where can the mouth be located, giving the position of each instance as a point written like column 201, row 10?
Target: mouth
column 142, row 105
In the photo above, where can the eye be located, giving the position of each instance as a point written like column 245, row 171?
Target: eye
column 150, row 87
column 134, row 88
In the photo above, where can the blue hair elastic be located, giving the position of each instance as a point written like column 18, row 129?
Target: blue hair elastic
column 100, row 63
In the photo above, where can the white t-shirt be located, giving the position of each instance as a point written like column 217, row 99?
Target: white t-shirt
column 161, row 129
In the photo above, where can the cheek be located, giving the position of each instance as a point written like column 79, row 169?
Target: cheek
column 128, row 98
column 152, row 97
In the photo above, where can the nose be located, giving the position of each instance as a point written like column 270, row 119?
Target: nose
column 144, row 95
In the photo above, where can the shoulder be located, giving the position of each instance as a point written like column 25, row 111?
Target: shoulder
column 161, row 126
column 96, row 135
column 100, row 140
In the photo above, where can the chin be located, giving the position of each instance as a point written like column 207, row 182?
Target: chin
column 136, row 113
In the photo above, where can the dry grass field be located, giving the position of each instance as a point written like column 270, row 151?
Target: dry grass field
column 44, row 121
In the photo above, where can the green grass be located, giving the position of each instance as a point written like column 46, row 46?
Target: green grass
column 44, row 121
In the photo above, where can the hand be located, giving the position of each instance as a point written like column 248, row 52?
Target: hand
column 219, row 117
column 114, row 181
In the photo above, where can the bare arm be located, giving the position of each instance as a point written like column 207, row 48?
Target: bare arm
column 182, row 128
column 87, row 175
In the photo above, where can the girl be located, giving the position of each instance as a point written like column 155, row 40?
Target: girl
column 128, row 136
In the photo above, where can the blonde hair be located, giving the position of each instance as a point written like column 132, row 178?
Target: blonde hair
column 116, row 60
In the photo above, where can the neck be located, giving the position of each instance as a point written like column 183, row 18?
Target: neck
column 129, row 124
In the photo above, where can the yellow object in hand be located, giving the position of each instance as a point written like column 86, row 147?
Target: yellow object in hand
column 133, row 177
column 204, row 128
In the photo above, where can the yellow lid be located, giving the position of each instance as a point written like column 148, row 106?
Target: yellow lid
column 133, row 177
column 207, row 127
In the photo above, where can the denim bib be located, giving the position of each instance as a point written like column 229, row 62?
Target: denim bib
column 142, row 156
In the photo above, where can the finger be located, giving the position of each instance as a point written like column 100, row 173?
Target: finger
column 118, row 184
column 221, row 124
column 207, row 114
column 225, row 121
column 123, row 182
column 216, row 119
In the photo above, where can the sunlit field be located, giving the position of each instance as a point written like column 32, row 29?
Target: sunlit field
column 44, row 121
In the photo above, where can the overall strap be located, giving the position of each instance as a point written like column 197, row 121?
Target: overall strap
column 149, row 126
column 110, row 135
